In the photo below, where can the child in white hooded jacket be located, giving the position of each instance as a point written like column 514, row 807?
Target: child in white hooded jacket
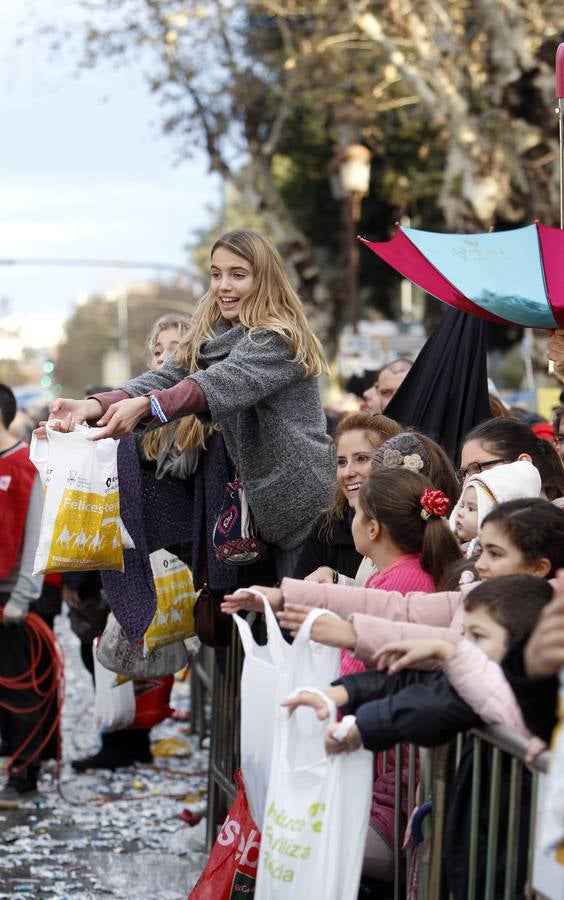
column 485, row 490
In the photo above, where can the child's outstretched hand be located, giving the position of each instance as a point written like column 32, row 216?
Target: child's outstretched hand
column 250, row 601
column 327, row 629
column 66, row 413
column 338, row 694
column 349, row 744
column 399, row 655
column 121, row 417
column 535, row 747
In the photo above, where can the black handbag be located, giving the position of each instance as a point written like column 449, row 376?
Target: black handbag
column 213, row 627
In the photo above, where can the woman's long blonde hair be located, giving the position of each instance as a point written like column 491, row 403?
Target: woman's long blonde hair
column 272, row 304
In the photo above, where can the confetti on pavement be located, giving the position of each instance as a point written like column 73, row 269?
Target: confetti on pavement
column 107, row 834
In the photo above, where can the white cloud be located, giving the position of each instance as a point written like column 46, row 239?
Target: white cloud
column 23, row 238
column 36, row 331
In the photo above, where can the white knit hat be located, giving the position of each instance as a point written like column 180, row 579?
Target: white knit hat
column 510, row 481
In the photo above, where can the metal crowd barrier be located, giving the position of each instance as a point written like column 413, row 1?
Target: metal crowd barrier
column 438, row 767
column 430, row 776
column 201, row 691
column 225, row 734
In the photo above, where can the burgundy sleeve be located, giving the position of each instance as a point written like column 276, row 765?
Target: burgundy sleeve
column 183, row 399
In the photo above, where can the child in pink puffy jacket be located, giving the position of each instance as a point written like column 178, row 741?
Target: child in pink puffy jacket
column 494, row 612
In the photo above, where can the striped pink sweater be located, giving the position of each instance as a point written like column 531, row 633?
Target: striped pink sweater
column 404, row 575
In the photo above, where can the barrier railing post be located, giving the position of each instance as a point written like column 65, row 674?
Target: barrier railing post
column 529, row 893
column 411, row 784
column 440, row 769
column 398, row 759
column 224, row 737
column 493, row 825
column 425, row 790
column 474, row 817
column 514, row 818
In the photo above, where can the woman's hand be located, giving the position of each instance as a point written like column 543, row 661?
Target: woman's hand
column 322, row 575
column 544, row 651
column 338, row 694
column 398, row 655
column 351, row 743
column 327, row 629
column 65, row 414
column 556, row 351
column 533, row 750
column 121, row 418
column 250, row 601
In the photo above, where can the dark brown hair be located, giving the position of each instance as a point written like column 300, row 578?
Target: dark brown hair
column 513, row 601
column 534, row 526
column 378, row 428
column 8, row 405
column 507, row 439
column 393, row 497
column 452, row 575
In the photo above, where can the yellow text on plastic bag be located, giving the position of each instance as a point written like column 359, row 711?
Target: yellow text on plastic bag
column 87, row 533
column 176, row 598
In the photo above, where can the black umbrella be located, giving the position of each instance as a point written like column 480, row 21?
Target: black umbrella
column 445, row 393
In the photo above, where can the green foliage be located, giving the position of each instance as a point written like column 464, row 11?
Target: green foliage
column 453, row 98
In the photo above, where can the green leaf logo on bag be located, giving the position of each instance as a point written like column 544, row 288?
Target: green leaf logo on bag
column 316, row 812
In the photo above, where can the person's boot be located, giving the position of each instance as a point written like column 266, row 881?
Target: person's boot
column 119, row 750
column 140, row 745
column 106, row 758
column 20, row 788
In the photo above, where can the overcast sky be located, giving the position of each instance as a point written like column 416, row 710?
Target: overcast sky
column 84, row 172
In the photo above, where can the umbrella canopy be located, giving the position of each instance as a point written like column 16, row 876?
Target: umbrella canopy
column 445, row 393
column 511, row 277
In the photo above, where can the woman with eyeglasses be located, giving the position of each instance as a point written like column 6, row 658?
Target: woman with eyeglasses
column 501, row 440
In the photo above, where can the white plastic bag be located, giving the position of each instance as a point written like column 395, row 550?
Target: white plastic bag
column 271, row 672
column 81, row 528
column 260, row 695
column 309, row 663
column 316, row 819
column 552, row 817
column 114, row 706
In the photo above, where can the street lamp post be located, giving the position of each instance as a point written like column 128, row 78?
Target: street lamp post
column 354, row 175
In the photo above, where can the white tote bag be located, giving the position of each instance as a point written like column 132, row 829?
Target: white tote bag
column 316, row 819
column 114, row 706
column 262, row 668
column 271, row 672
column 309, row 662
column 81, row 528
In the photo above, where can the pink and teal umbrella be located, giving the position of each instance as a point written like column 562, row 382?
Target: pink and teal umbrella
column 510, row 277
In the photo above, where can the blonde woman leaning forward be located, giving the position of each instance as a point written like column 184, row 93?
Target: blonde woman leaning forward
column 248, row 364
